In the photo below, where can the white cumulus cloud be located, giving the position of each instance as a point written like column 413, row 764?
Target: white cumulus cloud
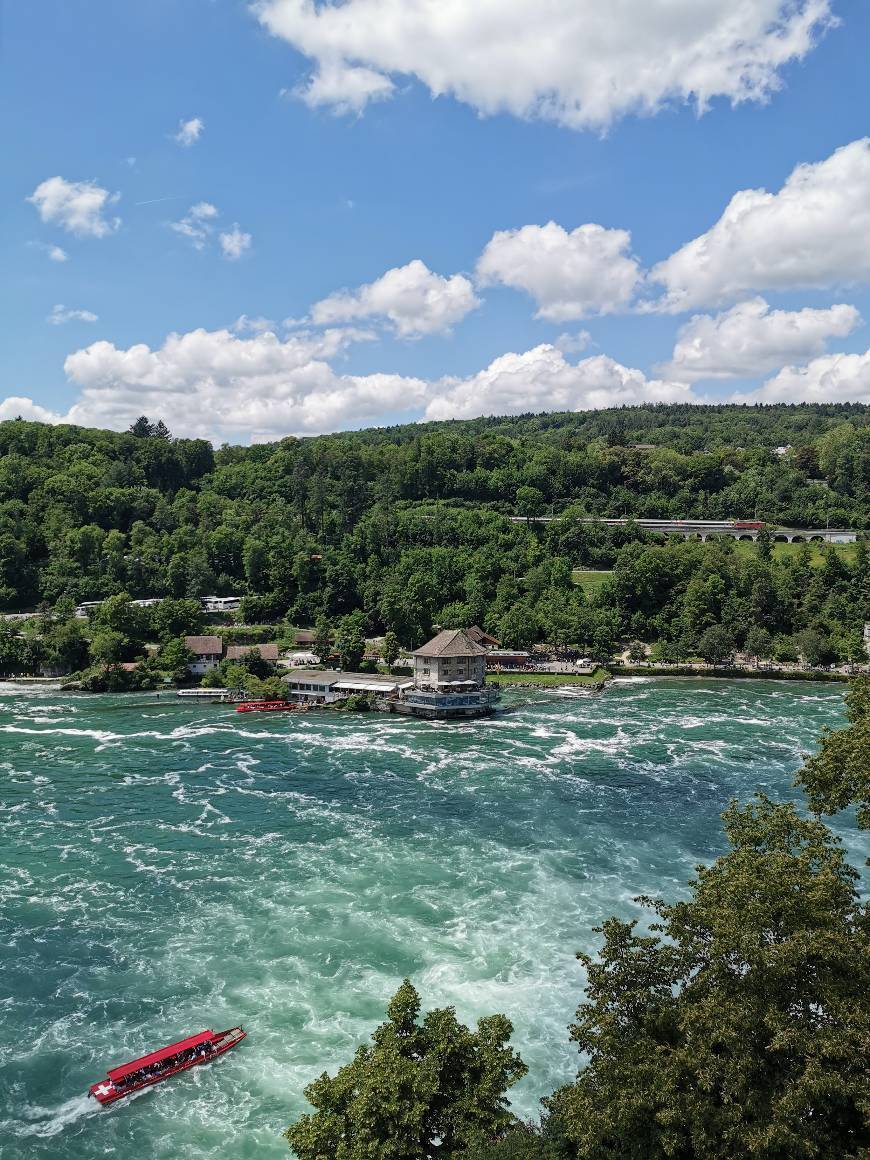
column 222, row 386
column 580, row 63
column 542, row 379
column 18, row 407
column 234, row 243
column 832, row 378
column 751, row 339
column 569, row 343
column 570, row 275
column 189, row 131
column 251, row 324
column 53, row 253
column 200, row 226
column 344, row 88
column 814, row 232
column 76, row 206
column 197, row 224
column 414, row 300
column 217, row 383
column 60, row 314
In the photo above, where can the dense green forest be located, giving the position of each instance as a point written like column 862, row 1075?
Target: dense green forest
column 408, row 525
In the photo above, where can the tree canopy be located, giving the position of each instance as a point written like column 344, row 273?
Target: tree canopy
column 739, row 1027
column 839, row 774
column 425, row 524
column 422, row 1090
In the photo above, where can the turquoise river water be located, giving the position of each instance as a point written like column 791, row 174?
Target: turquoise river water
column 166, row 867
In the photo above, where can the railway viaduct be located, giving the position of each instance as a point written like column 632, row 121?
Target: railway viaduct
column 711, row 529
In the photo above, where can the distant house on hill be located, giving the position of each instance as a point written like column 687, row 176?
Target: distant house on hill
column 207, row 653
column 476, row 634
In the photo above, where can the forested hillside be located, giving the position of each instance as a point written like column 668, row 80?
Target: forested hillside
column 408, row 524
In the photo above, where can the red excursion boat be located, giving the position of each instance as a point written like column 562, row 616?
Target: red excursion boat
column 265, row 706
column 160, row 1065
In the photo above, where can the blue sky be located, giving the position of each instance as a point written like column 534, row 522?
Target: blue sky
column 250, row 237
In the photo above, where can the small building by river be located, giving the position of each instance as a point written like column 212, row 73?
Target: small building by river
column 449, row 679
column 326, row 686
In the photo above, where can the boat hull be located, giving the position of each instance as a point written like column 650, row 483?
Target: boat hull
column 107, row 1092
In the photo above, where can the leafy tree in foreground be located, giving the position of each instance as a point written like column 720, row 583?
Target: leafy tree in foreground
column 765, row 543
column 527, row 1142
column 391, row 649
column 518, row 628
column 716, row 644
column 744, row 1032
column 420, row 1091
column 854, row 650
column 351, row 644
column 322, row 645
column 839, row 774
column 11, row 648
column 814, row 647
column 759, row 643
column 174, row 658
column 108, row 647
column 174, row 618
column 118, row 614
column 784, row 649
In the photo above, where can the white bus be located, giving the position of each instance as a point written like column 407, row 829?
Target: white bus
column 221, row 603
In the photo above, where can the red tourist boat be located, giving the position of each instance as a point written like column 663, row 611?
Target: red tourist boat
column 160, row 1065
column 265, row 706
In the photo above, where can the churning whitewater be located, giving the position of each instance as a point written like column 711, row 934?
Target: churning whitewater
column 166, row 867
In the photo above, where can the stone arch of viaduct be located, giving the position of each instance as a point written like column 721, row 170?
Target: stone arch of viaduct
column 715, row 529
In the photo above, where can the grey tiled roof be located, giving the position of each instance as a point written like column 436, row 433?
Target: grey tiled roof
column 205, row 645
column 452, row 642
column 238, row 652
column 477, row 634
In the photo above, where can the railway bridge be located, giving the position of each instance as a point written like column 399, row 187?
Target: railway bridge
column 712, row 529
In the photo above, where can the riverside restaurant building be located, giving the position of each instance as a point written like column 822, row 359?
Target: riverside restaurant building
column 325, row 686
column 449, row 679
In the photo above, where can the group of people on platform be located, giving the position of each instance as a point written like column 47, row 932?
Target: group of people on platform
column 189, row 1055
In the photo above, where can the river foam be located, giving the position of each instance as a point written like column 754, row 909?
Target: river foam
column 168, row 867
